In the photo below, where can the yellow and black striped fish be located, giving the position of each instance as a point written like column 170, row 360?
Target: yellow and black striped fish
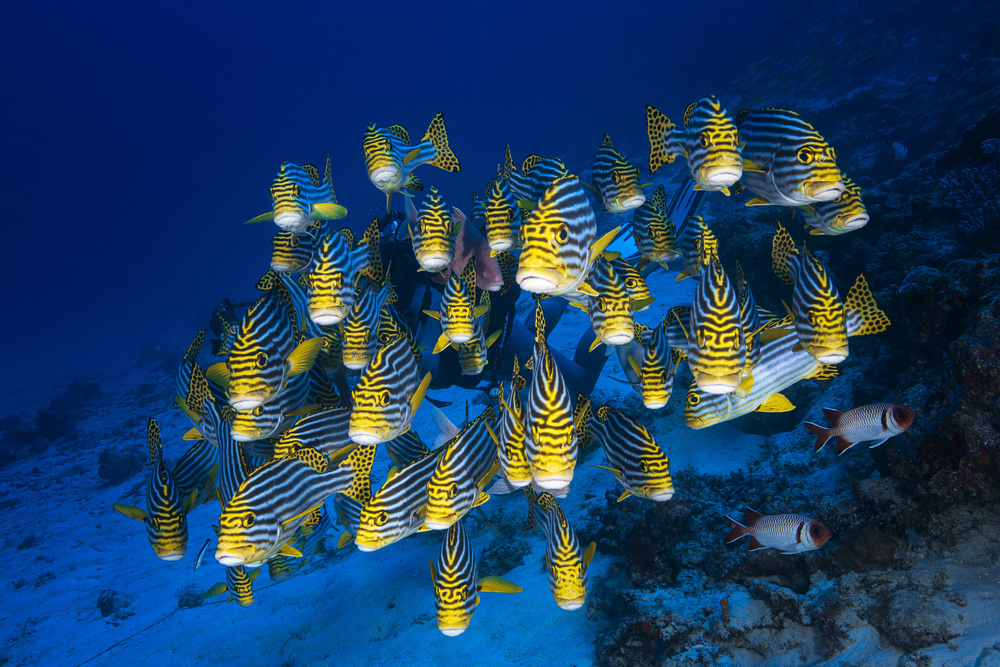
column 182, row 382
column 611, row 310
column 331, row 278
column 695, row 235
column 299, row 197
column 472, row 355
column 654, row 233
column 390, row 160
column 638, row 290
column 196, row 472
column 264, row 355
column 750, row 316
column 391, row 325
column 387, row 395
column 433, row 234
column 324, row 430
column 309, row 542
column 458, row 308
column 468, row 462
column 235, row 466
column 239, row 585
column 633, row 455
column 359, row 332
column 165, row 516
column 536, row 176
column 616, row 180
column 844, row 214
column 550, row 442
column 503, row 216
column 565, row 561
column 656, row 370
column 292, row 253
column 716, row 344
column 709, row 142
column 785, row 160
column 304, row 393
column 456, row 588
column 264, row 515
column 511, row 433
column 559, row 241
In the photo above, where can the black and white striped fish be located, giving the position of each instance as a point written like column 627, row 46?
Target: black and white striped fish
column 433, row 234
column 358, row 333
column 786, row 162
column 503, row 216
column 654, row 233
column 299, row 197
column 387, row 395
column 616, row 180
column 458, row 308
column 709, row 142
column 565, row 561
column 164, row 516
column 694, row 236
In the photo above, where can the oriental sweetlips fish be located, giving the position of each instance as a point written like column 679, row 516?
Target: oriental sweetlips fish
column 511, row 434
column 503, row 216
column 239, row 585
column 359, row 332
column 877, row 423
column 165, row 515
column 709, row 142
column 785, row 161
column 331, row 277
column 433, row 235
column 611, row 310
column 616, row 180
column 565, row 561
column 788, row 533
column 654, row 233
column 844, row 214
column 695, row 237
column 390, row 160
column 456, row 589
column 292, row 253
column 299, row 197
column 638, row 290
column 458, row 308
column 656, row 371
column 537, row 175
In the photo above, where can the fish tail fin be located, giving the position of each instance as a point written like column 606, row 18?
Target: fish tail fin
column 444, row 158
column 843, row 445
column 153, row 441
column 823, row 435
column 582, row 414
column 736, row 531
column 662, row 141
column 784, row 255
column 863, row 314
column 536, row 515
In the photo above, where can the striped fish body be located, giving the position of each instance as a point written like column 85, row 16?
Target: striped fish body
column 565, row 560
column 331, row 278
column 511, row 435
column 793, row 164
column 433, row 235
column 323, row 430
column 358, row 334
column 611, row 310
column 281, row 567
column 390, row 160
column 196, row 472
column 844, row 214
column 185, row 369
column 536, row 176
column 780, row 366
column 405, row 449
column 472, row 355
column 239, row 585
column 875, row 423
column 235, row 466
column 550, row 441
column 299, row 197
column 397, row 509
column 694, row 236
column 556, row 240
column 633, row 455
column 292, row 253
column 638, row 291
column 387, row 394
column 391, row 325
column 709, row 142
column 717, row 348
column 654, row 233
column 455, row 591
column 788, row 533
column 656, row 372
column 271, row 418
column 270, row 505
column 616, row 179
column 503, row 217
column 457, row 302
column 466, row 465
column 750, row 317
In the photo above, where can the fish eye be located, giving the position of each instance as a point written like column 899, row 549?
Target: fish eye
column 631, row 283
column 616, row 177
column 453, row 491
column 383, row 398
column 387, row 144
column 815, row 530
column 249, row 519
column 898, row 414
column 381, row 518
column 643, row 467
column 693, row 399
column 805, row 156
column 832, row 154
column 294, row 241
column 562, row 234
column 703, row 139
column 271, row 192
column 295, row 191
column 261, row 360
column 259, row 410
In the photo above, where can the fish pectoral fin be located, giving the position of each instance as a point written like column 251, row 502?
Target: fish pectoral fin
column 217, row 589
column 304, row 410
column 418, row 395
column 625, row 494
column 411, row 156
column 442, row 343
column 584, row 288
column 301, row 359
column 497, row 585
column 776, row 403
column 590, row 187
column 642, row 304
column 526, row 205
column 593, row 346
column 481, row 310
column 758, row 201
column 493, row 337
column 263, row 217
column 682, row 275
column 131, row 511
column 588, row 555
column 192, row 434
column 746, row 384
column 603, row 242
column 289, row 550
column 344, row 539
column 219, row 374
column 433, row 313
column 750, row 165
column 327, row 211
column 182, row 405
column 188, row 502
column 725, row 191
column 481, row 499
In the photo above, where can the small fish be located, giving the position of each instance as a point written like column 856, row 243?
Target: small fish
column 195, row 472
column 844, row 214
column 785, row 160
column 709, row 142
column 536, row 176
column 282, row 567
column 788, row 533
column 565, row 561
column 165, row 515
column 359, row 332
column 299, row 197
column 611, row 310
column 472, row 355
column 655, row 371
column 390, row 160
column 511, row 433
column 503, row 216
column 559, row 241
column 638, row 290
column 458, row 308
column 896, row 149
column 877, row 423
column 694, row 237
column 456, row 588
column 292, row 253
column 387, row 395
column 616, row 180
column 239, row 585
column 331, row 278
column 433, row 235
column 633, row 455
column 654, row 233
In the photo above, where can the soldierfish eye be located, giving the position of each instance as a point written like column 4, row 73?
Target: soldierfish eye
column 815, row 531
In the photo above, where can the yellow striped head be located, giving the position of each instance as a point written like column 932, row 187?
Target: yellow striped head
column 712, row 144
column 455, row 591
column 434, row 234
column 820, row 320
column 717, row 349
column 611, row 310
column 382, row 396
column 384, row 151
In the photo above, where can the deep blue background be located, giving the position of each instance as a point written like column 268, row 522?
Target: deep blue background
column 138, row 139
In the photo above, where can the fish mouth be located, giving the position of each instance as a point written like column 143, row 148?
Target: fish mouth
column 572, row 604
column 171, row 555
column 856, row 222
column 244, row 436
column 247, row 401
column 501, row 245
column 662, row 495
column 665, row 257
column 723, row 177
column 383, row 175
column 630, row 202
column 281, row 267
column 553, row 480
column 452, row 630
column 367, row 545
column 717, row 384
column 655, row 403
column 824, row 190
column 540, row 280
column 291, row 221
column 365, row 438
column 355, row 364
column 434, row 263
column 829, row 355
column 473, row 370
column 233, row 556
column 327, row 316
column 442, row 523
column 619, row 337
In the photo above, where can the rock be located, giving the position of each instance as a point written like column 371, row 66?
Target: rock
column 113, row 603
column 117, row 465
column 503, row 556
column 969, row 150
column 190, row 596
column 912, row 621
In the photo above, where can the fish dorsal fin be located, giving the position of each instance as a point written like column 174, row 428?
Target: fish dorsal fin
column 783, row 255
column 400, row 133
column 607, row 141
column 688, row 113
column 153, row 441
column 530, row 162
column 313, row 173
column 312, row 458
column 753, row 516
column 508, row 162
column 659, row 199
column 833, row 416
column 437, row 135
column 741, row 116
column 863, row 314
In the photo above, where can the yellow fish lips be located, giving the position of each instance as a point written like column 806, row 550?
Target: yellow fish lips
column 659, row 494
column 717, row 384
column 828, row 354
column 234, row 555
column 655, row 401
column 823, row 190
column 440, row 521
column 548, row 479
column 571, row 604
column 365, row 541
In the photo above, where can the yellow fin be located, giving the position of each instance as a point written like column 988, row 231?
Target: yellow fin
column 479, row 311
column 776, row 403
column 344, row 539
column 256, row 572
column 746, row 384
column 593, row 346
column 824, row 372
column 131, row 512
column 682, row 275
column 526, row 204
column 263, row 217
column 642, row 304
column 418, row 395
column 493, row 337
column 289, row 550
column 219, row 374
column 433, row 313
column 496, row 585
column 327, row 211
column 603, row 242
column 584, row 288
column 183, row 406
column 302, row 358
column 589, row 553
column 635, row 366
column 725, row 191
column 590, row 187
column 481, row 499
column 758, row 201
column 750, row 165
column 863, row 314
column 625, row 494
column 188, row 502
column 442, row 343
column 216, row 589
column 304, row 410
column 192, row 434
column 411, row 156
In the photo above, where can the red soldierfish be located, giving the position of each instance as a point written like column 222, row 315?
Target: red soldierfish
column 789, row 533
column 877, row 422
